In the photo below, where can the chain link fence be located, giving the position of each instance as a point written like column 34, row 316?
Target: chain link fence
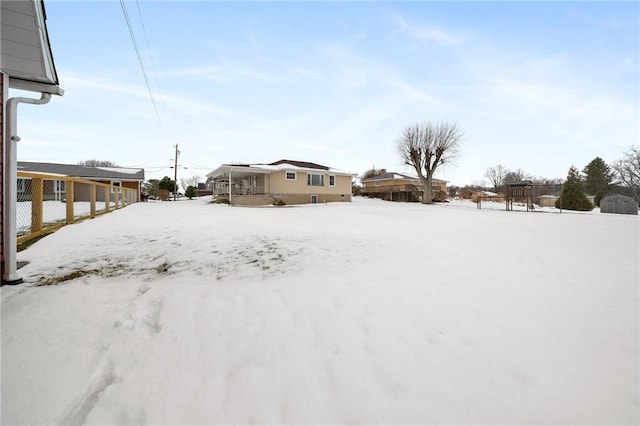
column 47, row 202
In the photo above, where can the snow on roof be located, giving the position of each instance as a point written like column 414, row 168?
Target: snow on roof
column 128, row 170
column 395, row 175
column 290, row 165
column 86, row 172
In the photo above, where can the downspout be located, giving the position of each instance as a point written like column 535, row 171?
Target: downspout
column 10, row 237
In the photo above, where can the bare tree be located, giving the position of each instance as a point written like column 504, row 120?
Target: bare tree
column 496, row 175
column 97, row 163
column 190, row 181
column 426, row 146
column 513, row 176
column 628, row 170
column 480, row 185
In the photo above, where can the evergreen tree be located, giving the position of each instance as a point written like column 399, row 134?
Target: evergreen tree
column 598, row 177
column 573, row 196
column 167, row 183
column 190, row 192
column 151, row 187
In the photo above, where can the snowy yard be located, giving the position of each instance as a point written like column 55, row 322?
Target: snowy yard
column 368, row 312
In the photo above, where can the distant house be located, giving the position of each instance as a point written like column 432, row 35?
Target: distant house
column 399, row 187
column 283, row 181
column 55, row 189
column 486, row 196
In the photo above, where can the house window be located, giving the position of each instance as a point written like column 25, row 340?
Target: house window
column 21, row 185
column 332, row 180
column 114, row 184
column 60, row 186
column 290, row 175
column 377, row 183
column 315, row 180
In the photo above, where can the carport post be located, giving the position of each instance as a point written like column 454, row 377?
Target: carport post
column 230, row 201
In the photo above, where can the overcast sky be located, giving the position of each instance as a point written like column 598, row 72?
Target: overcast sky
column 539, row 86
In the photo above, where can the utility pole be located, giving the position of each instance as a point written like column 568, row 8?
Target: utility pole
column 175, row 174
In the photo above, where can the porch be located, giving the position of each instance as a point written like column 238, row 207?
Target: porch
column 404, row 192
column 240, row 180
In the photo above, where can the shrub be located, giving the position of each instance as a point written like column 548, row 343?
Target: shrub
column 573, row 196
column 220, row 200
column 190, row 192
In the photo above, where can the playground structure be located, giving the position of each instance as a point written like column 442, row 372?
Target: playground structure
column 525, row 194
column 519, row 192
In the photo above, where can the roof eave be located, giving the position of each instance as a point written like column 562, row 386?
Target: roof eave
column 35, row 86
column 27, row 58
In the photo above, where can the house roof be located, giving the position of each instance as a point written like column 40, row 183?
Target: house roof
column 394, row 175
column 612, row 197
column 241, row 170
column 26, row 55
column 388, row 176
column 105, row 173
column 301, row 164
column 486, row 193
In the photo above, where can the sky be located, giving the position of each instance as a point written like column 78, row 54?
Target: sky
column 537, row 86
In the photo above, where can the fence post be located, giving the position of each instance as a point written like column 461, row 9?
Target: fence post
column 107, row 199
column 37, row 204
column 70, row 199
column 92, row 200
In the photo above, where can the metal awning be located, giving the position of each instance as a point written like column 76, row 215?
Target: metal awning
column 237, row 172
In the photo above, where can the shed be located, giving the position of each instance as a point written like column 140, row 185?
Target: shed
column 620, row 204
column 547, row 200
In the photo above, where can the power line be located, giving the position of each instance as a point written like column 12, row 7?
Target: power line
column 135, row 45
column 146, row 39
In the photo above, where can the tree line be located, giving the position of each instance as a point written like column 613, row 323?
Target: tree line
column 425, row 146
column 597, row 179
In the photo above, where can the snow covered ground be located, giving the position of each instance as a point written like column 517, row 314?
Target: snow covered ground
column 368, row 312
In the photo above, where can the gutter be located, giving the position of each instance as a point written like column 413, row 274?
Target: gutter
column 10, row 183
